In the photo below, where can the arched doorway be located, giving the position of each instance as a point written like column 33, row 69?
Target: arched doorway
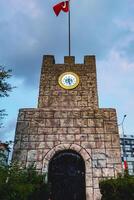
column 66, row 176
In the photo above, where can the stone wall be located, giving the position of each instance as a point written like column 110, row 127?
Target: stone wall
column 41, row 133
column 70, row 119
column 52, row 95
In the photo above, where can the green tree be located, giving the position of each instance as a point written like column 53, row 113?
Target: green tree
column 121, row 188
column 5, row 88
column 26, row 184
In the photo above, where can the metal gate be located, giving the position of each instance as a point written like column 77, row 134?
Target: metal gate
column 66, row 176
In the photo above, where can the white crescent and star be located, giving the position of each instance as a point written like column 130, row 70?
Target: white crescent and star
column 65, row 4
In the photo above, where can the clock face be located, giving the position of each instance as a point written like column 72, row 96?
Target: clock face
column 68, row 80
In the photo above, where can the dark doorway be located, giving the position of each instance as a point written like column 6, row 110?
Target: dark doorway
column 66, row 176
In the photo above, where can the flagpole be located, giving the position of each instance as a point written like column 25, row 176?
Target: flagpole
column 69, row 31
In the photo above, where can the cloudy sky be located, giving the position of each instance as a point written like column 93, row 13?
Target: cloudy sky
column 29, row 29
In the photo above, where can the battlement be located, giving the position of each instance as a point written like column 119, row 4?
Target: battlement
column 50, row 59
column 51, row 94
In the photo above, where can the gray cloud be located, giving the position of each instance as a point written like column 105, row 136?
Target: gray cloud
column 30, row 29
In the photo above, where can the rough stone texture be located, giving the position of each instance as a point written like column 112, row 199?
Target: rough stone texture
column 52, row 95
column 70, row 119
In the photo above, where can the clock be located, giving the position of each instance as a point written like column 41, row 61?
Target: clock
column 68, row 80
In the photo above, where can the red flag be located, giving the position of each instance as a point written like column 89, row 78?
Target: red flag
column 63, row 6
column 125, row 165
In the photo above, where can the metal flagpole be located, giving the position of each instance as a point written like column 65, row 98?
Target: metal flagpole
column 69, row 30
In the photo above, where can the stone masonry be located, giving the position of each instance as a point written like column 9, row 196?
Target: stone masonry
column 70, row 119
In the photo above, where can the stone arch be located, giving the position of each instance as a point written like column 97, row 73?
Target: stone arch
column 79, row 149
column 86, row 157
column 66, row 176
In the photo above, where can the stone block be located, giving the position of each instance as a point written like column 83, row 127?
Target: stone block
column 108, row 137
column 67, row 146
column 81, row 137
column 82, row 103
column 96, row 183
column 85, row 155
column 89, row 182
column 80, row 122
column 91, row 137
column 118, row 169
column 52, row 123
column 98, row 114
column 59, row 114
column 73, row 114
column 108, row 172
column 39, row 155
column 32, row 155
column 108, row 145
column 91, row 123
column 66, row 122
column 36, row 138
column 24, row 138
column 74, row 130
column 48, row 60
column 66, row 138
column 22, row 127
column 89, row 193
column 98, row 155
column 21, row 116
column 59, row 131
column 50, row 154
column 115, row 140
column 99, row 123
column 99, row 151
column 46, row 145
column 110, row 127
column 97, row 194
column 88, row 130
column 106, row 115
column 17, row 144
column 99, row 145
column 75, row 147
column 51, row 138
column 46, row 115
column 88, row 145
column 99, row 130
column 24, row 145
column 97, row 172
column 33, row 129
column 39, row 165
column 87, row 114
column 32, row 145
column 113, row 116
column 69, row 59
column 98, row 137
column 44, row 152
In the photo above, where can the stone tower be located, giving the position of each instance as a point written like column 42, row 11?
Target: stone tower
column 68, row 132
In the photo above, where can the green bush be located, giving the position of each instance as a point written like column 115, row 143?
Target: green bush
column 16, row 184
column 121, row 188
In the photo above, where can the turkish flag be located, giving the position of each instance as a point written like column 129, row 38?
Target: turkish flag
column 63, row 6
column 125, row 165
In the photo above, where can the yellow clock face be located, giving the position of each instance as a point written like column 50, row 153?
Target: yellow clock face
column 68, row 80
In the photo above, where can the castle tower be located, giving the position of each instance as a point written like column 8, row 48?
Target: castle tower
column 68, row 136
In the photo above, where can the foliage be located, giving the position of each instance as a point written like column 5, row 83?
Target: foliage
column 5, row 148
column 2, row 115
column 26, row 184
column 121, row 188
column 5, row 88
